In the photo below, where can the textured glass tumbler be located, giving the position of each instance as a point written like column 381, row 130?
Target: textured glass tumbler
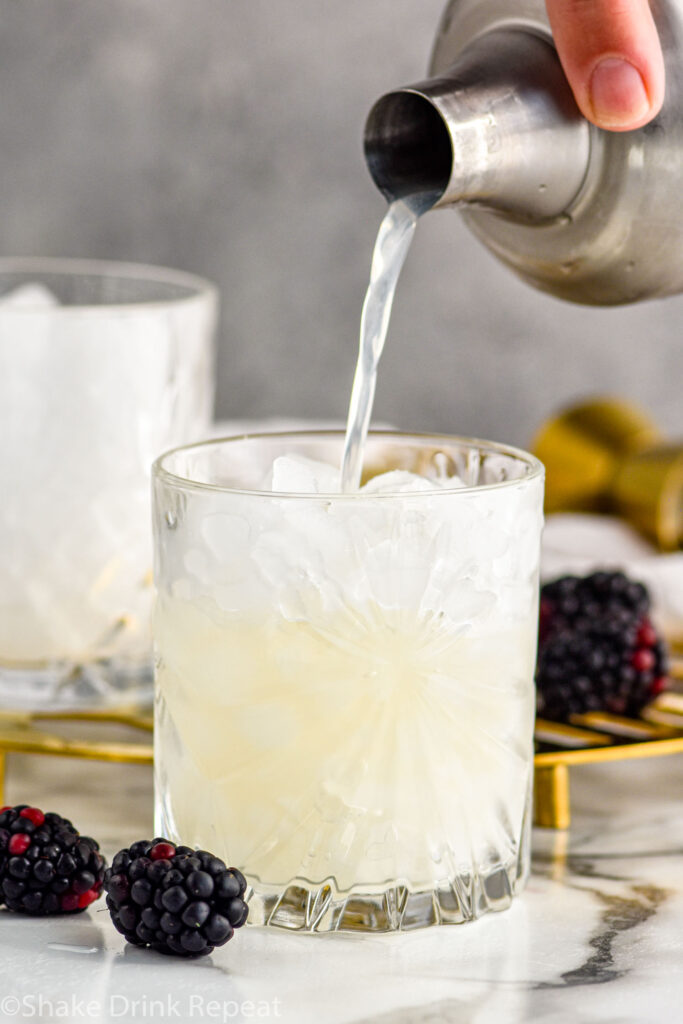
column 344, row 690
column 102, row 367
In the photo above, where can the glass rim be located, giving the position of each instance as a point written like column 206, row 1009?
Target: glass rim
column 200, row 287
column 164, row 475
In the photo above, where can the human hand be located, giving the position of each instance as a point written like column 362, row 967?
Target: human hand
column 611, row 55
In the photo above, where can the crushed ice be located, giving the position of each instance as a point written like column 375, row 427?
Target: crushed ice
column 297, row 474
column 29, row 296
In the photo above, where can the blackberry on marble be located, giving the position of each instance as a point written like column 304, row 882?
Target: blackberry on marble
column 46, row 866
column 174, row 899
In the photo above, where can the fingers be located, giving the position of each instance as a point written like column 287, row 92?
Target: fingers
column 611, row 55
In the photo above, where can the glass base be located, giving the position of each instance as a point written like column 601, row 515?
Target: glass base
column 306, row 906
column 66, row 686
column 309, row 908
column 321, row 907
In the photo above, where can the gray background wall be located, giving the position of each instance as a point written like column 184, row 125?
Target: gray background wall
column 224, row 137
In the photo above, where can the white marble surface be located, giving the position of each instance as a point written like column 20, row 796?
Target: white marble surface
column 597, row 936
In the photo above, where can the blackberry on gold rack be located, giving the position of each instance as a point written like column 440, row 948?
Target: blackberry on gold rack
column 598, row 648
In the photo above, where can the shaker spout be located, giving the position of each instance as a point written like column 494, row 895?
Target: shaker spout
column 499, row 129
column 408, row 147
column 586, row 215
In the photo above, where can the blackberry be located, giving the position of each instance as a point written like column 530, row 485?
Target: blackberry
column 598, row 649
column 572, row 602
column 46, row 866
column 177, row 900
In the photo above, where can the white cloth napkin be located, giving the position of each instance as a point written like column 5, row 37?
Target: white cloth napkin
column 582, row 543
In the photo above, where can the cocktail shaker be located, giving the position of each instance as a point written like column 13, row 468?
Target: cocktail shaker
column 590, row 216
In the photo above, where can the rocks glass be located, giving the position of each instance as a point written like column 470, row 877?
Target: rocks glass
column 102, row 367
column 345, row 695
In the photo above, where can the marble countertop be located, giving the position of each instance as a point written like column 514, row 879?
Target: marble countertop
column 596, row 937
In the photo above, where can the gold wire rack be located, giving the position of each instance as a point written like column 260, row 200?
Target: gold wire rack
column 21, row 733
column 588, row 739
column 597, row 737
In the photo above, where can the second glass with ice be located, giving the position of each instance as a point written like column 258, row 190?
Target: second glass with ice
column 345, row 681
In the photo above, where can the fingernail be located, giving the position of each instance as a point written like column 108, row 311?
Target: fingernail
column 617, row 93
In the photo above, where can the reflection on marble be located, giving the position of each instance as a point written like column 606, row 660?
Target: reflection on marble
column 596, row 937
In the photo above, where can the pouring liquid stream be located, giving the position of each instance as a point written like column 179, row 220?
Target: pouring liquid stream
column 391, row 249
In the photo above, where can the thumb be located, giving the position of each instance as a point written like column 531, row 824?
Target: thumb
column 611, row 55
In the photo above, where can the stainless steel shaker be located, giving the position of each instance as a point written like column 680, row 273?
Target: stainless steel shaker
column 590, row 216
